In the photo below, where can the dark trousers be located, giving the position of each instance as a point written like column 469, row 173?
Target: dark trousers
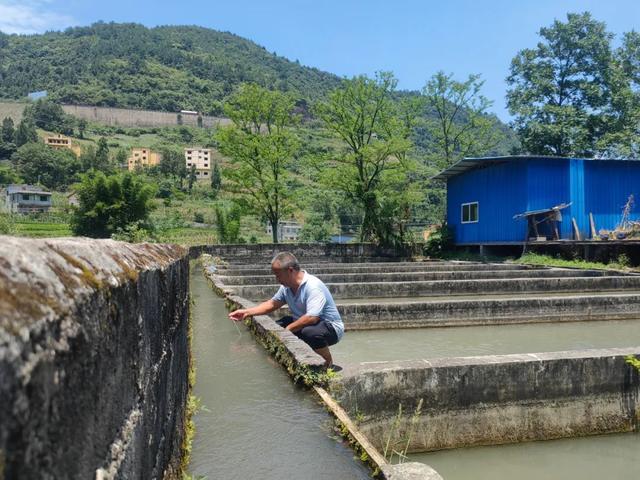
column 319, row 335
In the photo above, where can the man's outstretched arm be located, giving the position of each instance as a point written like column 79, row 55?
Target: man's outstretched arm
column 262, row 309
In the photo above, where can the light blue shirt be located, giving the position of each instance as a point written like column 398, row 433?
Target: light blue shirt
column 312, row 298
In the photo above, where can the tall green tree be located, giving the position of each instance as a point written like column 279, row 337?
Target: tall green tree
column 82, row 127
column 25, row 133
column 371, row 169
column 172, row 163
column 8, row 130
column 260, row 143
column 111, row 203
column 38, row 163
column 216, row 179
column 192, row 177
column 48, row 115
column 460, row 126
column 558, row 90
column 102, row 162
column 621, row 120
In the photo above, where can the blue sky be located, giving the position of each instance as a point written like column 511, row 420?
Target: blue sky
column 414, row 39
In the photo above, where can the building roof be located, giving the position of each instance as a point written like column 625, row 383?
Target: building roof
column 474, row 162
column 26, row 189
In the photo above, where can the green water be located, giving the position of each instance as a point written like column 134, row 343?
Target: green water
column 607, row 457
column 415, row 343
column 256, row 424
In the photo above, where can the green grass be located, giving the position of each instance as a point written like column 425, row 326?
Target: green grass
column 545, row 260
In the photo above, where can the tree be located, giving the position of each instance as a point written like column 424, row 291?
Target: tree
column 557, row 91
column 102, row 156
column 108, row 204
column 172, row 164
column 621, row 120
column 228, row 224
column 461, row 126
column 9, row 175
column 7, row 139
column 192, row 177
column 260, row 144
column 37, row 163
column 216, row 179
column 25, row 133
column 372, row 168
column 8, row 131
column 82, row 127
column 48, row 115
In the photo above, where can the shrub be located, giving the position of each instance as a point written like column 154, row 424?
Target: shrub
column 439, row 242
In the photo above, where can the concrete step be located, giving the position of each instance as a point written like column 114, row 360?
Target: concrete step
column 419, row 276
column 333, row 268
column 458, row 287
column 538, row 308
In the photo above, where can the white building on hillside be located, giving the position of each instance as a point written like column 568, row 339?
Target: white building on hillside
column 288, row 231
column 201, row 159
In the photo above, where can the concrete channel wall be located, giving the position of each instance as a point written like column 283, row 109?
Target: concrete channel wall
column 495, row 311
column 492, row 399
column 459, row 287
column 417, row 276
column 261, row 254
column 94, row 359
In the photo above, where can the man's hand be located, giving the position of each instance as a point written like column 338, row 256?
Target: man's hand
column 238, row 315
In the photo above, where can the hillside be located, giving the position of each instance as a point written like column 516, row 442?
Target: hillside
column 163, row 68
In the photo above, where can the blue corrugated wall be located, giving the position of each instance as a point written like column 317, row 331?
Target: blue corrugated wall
column 515, row 186
column 500, row 191
column 607, row 186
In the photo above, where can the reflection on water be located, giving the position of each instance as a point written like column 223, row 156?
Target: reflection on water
column 611, row 457
column 405, row 344
column 256, row 424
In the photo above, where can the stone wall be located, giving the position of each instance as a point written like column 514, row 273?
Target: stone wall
column 94, row 358
column 489, row 400
column 261, row 254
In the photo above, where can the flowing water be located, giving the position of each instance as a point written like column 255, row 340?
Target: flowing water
column 255, row 423
column 415, row 343
column 611, row 457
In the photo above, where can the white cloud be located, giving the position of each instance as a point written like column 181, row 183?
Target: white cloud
column 30, row 16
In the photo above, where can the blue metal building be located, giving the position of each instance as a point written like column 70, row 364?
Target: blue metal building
column 485, row 194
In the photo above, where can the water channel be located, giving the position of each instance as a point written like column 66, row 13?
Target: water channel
column 612, row 457
column 414, row 343
column 255, row 423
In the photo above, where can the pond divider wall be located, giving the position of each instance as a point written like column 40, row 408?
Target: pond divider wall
column 488, row 400
column 94, row 358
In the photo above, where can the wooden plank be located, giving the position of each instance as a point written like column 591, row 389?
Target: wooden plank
column 592, row 223
column 355, row 432
column 576, row 232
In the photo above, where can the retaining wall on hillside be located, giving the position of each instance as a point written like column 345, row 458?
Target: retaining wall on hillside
column 94, row 358
column 493, row 399
column 123, row 117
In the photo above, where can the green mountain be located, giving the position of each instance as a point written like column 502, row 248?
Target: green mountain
column 163, row 68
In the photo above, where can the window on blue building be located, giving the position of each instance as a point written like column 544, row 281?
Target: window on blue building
column 470, row 212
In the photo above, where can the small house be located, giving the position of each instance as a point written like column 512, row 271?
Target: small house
column 26, row 199
column 516, row 199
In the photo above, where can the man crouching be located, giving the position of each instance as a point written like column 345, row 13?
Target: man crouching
column 314, row 317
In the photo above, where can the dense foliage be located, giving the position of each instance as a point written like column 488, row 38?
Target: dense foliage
column 260, row 146
column 164, row 68
column 574, row 95
column 111, row 203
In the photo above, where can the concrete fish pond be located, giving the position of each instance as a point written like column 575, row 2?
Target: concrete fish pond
column 395, row 408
